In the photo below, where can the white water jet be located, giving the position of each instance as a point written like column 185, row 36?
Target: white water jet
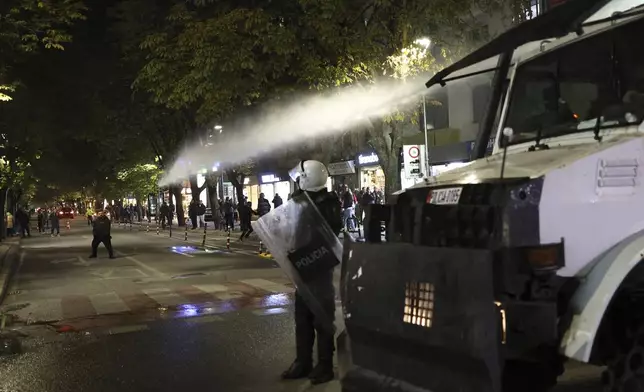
column 279, row 127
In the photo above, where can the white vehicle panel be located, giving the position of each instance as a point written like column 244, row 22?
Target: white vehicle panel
column 593, row 296
column 590, row 218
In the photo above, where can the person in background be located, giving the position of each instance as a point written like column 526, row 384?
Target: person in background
column 9, row 224
column 164, row 212
column 41, row 220
column 23, row 219
column 173, row 210
column 201, row 213
column 101, row 232
column 277, row 201
column 263, row 206
column 55, row 222
column 192, row 213
column 245, row 217
column 90, row 216
column 228, row 213
column 347, row 208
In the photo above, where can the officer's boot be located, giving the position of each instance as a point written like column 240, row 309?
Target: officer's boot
column 323, row 371
column 304, row 339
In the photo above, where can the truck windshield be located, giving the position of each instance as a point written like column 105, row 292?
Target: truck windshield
column 594, row 83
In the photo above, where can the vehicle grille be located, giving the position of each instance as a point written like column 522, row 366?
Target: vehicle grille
column 472, row 223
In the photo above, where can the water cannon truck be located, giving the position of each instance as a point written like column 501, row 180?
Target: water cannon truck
column 493, row 275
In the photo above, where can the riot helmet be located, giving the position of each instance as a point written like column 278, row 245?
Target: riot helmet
column 310, row 175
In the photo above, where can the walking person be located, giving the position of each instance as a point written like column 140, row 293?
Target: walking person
column 192, row 213
column 102, row 233
column 245, row 218
column 229, row 214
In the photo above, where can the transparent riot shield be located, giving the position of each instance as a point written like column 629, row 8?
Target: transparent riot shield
column 305, row 247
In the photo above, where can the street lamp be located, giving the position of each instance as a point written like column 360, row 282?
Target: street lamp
column 424, row 42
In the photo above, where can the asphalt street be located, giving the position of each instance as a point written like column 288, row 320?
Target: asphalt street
column 164, row 315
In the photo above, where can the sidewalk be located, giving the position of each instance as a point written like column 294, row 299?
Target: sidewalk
column 9, row 263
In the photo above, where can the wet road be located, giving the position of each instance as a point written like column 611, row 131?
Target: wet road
column 157, row 318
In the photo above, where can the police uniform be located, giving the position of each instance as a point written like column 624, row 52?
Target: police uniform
column 306, row 325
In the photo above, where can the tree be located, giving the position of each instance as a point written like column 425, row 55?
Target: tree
column 218, row 56
column 26, row 26
column 140, row 181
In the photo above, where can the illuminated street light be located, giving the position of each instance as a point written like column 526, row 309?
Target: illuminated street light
column 424, row 42
column 218, row 127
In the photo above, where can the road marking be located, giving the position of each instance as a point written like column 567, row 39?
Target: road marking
column 165, row 297
column 143, row 265
column 107, row 303
column 211, row 288
column 104, row 273
column 267, row 285
column 128, row 329
column 181, row 253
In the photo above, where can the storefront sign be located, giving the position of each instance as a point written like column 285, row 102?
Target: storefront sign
column 341, row 168
column 368, row 159
column 269, row 179
column 413, row 161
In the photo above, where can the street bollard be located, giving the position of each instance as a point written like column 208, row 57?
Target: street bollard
column 185, row 233
column 158, row 227
column 228, row 241
column 130, row 225
column 68, row 226
column 147, row 228
column 203, row 241
column 261, row 247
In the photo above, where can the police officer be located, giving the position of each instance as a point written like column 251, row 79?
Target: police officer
column 312, row 178
column 101, row 231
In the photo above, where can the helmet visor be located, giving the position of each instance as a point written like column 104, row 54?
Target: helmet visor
column 296, row 172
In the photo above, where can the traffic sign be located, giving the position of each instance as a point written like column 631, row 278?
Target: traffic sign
column 414, row 152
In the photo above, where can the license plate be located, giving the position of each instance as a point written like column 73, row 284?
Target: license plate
column 446, row 196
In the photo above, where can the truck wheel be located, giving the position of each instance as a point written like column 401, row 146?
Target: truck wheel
column 625, row 372
column 527, row 376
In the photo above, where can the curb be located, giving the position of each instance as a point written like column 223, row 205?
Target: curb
column 9, row 264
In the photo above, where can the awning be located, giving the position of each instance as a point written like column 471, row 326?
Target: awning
column 560, row 21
